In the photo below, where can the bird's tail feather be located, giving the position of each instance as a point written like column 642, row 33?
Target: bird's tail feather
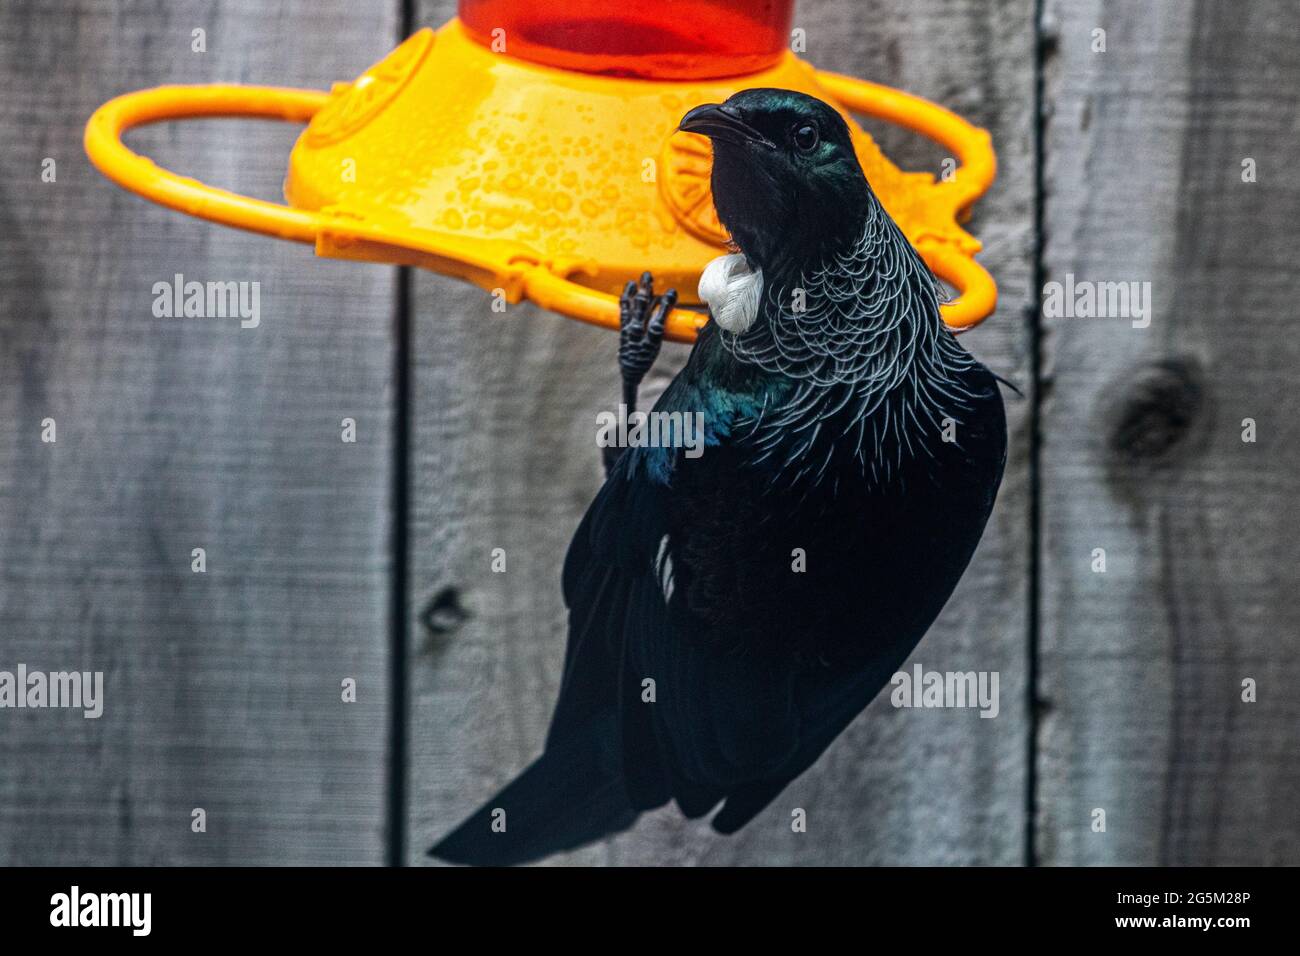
column 572, row 794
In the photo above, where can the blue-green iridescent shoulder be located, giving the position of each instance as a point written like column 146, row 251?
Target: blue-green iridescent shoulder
column 729, row 395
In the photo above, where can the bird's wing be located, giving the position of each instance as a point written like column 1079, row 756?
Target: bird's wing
column 599, row 569
column 924, row 544
column 695, row 714
column 674, row 582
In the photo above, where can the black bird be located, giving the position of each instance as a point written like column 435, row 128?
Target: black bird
column 730, row 614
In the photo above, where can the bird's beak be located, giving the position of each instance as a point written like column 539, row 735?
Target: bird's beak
column 719, row 122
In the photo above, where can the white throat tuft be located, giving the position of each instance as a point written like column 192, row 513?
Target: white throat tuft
column 732, row 292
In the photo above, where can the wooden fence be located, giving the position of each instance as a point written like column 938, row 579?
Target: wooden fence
column 1120, row 690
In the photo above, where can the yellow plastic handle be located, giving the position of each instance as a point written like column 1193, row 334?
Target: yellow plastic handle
column 141, row 175
column 104, row 146
column 332, row 234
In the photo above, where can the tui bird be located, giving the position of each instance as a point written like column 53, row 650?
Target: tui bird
column 730, row 614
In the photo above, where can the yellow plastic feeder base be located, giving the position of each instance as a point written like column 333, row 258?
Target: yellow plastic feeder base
column 550, row 185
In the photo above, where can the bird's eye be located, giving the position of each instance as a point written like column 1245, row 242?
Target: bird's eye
column 805, row 137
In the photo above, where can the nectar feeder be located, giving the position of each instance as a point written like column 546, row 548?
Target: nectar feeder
column 535, row 151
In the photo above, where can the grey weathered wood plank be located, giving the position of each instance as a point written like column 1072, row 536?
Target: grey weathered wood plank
column 1142, row 666
column 223, row 688
column 503, row 453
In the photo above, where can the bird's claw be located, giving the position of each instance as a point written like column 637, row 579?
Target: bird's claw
column 641, row 319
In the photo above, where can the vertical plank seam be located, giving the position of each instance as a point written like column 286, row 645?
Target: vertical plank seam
column 1033, row 318
column 399, row 678
column 399, row 711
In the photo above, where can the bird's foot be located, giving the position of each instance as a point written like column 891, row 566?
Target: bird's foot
column 641, row 319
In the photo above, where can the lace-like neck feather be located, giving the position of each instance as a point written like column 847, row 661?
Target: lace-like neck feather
column 875, row 372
